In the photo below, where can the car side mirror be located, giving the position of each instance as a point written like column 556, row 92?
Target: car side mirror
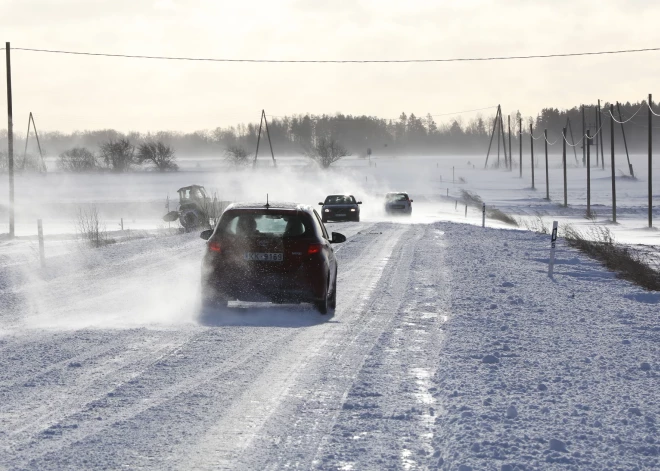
column 320, row 204
column 359, row 202
column 411, row 201
column 206, row 235
column 337, row 238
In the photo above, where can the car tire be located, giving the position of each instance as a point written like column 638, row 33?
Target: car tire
column 332, row 302
column 323, row 305
column 324, row 219
column 357, row 218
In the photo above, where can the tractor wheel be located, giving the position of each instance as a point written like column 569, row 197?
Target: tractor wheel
column 191, row 218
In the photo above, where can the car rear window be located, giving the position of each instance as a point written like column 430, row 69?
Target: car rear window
column 269, row 223
column 397, row 197
column 340, row 199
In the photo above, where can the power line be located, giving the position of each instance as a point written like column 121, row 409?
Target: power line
column 369, row 61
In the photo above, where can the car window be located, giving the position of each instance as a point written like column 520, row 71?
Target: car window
column 320, row 225
column 340, row 199
column 268, row 224
column 397, row 197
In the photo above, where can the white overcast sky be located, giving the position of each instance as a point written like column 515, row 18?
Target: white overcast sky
column 73, row 92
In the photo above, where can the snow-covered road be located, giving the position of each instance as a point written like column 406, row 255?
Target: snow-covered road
column 107, row 362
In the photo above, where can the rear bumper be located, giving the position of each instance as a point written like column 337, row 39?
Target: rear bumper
column 404, row 210
column 300, row 286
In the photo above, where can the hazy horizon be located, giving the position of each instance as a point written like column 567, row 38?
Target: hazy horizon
column 67, row 93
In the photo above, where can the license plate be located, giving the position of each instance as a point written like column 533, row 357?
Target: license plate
column 263, row 257
column 340, row 215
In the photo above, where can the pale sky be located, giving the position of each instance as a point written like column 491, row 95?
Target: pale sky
column 76, row 92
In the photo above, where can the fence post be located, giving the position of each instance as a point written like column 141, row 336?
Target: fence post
column 483, row 215
column 40, row 232
column 455, row 205
column 613, row 170
column 122, row 224
column 586, row 143
column 547, row 177
column 466, row 210
column 563, row 161
column 553, row 242
column 531, row 142
column 650, row 179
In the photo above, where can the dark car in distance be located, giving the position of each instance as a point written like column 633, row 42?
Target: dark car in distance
column 278, row 252
column 398, row 203
column 340, row 208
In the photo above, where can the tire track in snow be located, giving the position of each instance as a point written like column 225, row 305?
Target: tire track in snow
column 237, row 440
column 291, row 437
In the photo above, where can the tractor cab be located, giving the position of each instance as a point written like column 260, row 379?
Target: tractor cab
column 192, row 194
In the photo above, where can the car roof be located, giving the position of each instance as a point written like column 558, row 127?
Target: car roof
column 341, row 194
column 273, row 205
column 189, row 187
column 398, row 193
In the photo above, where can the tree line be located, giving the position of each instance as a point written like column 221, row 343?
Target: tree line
column 409, row 134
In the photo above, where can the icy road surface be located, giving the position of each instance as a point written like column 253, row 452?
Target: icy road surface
column 450, row 349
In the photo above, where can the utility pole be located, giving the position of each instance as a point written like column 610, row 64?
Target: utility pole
column 531, row 141
column 547, row 177
column 600, row 121
column 10, row 143
column 520, row 142
column 597, row 132
column 586, row 143
column 563, row 158
column 510, row 164
column 492, row 135
column 613, row 170
column 650, row 179
column 503, row 138
column 584, row 132
column 625, row 143
column 499, row 124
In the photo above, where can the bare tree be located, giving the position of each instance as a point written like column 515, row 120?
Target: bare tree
column 237, row 156
column 90, row 228
column 159, row 154
column 118, row 155
column 78, row 159
column 327, row 151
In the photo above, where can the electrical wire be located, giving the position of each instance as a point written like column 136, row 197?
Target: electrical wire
column 651, row 110
column 317, row 61
column 624, row 122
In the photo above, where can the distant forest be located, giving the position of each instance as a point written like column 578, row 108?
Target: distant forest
column 410, row 134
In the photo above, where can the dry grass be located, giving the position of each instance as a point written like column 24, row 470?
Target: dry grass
column 474, row 200
column 628, row 263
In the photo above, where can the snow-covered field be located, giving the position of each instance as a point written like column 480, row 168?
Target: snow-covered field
column 450, row 347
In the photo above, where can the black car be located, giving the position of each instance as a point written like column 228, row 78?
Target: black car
column 398, row 203
column 340, row 208
column 278, row 253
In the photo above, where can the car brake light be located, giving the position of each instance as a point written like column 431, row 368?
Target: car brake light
column 214, row 246
column 314, row 249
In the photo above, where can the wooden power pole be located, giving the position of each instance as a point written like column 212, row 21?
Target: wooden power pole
column 10, row 143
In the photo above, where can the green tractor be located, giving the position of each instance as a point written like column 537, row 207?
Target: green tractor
column 196, row 209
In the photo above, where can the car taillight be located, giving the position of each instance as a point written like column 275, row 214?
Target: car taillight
column 314, row 249
column 214, row 246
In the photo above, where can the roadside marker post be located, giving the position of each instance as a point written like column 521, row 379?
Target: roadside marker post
column 40, row 232
column 483, row 215
column 466, row 210
column 553, row 243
